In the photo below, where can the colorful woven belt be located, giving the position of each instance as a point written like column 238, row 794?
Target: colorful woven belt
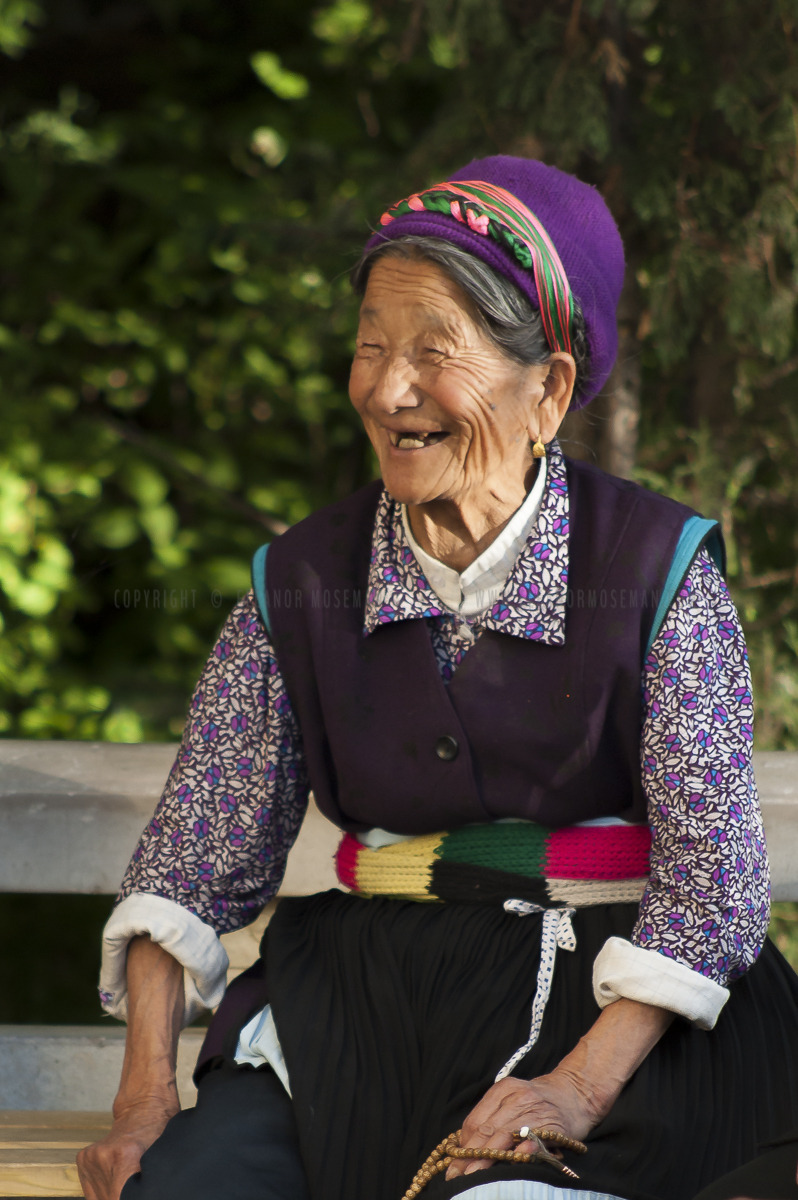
column 574, row 867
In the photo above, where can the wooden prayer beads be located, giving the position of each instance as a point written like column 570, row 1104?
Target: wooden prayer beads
column 450, row 1149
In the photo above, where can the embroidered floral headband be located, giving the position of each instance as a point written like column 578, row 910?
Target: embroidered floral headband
column 494, row 213
column 548, row 232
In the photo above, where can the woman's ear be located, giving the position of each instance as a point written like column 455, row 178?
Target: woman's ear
column 558, row 388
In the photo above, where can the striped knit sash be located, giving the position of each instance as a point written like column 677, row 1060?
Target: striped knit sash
column 574, row 867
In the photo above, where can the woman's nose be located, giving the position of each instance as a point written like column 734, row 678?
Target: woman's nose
column 396, row 386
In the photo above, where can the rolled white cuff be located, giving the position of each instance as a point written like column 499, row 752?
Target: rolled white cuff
column 632, row 972
column 181, row 933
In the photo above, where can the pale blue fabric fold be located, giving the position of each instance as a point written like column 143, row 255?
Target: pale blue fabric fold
column 523, row 1189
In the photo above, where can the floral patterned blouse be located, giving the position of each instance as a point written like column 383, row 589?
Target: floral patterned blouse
column 236, row 795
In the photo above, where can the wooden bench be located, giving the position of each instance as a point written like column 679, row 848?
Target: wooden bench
column 70, row 816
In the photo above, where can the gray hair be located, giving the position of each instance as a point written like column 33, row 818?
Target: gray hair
column 505, row 314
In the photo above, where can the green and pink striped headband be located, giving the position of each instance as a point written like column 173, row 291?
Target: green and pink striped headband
column 495, row 213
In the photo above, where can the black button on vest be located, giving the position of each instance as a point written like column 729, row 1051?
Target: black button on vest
column 447, row 748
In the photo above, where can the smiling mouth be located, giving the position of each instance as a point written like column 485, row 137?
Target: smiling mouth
column 415, row 439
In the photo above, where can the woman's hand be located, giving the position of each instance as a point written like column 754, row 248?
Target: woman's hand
column 553, row 1101
column 577, row 1094
column 147, row 1096
column 105, row 1166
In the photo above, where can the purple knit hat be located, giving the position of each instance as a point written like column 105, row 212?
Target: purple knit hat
column 577, row 222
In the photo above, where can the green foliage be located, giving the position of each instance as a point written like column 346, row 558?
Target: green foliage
column 16, row 20
column 784, row 931
column 174, row 331
column 288, row 85
column 184, row 188
column 749, row 485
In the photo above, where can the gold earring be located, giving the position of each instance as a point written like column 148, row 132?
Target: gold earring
column 538, row 449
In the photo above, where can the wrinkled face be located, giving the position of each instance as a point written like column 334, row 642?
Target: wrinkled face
column 448, row 414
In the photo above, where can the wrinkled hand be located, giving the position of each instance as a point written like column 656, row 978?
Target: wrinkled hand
column 105, row 1166
column 554, row 1101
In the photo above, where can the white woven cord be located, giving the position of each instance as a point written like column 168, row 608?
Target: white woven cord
column 556, row 930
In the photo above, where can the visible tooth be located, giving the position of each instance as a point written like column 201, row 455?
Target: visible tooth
column 406, row 442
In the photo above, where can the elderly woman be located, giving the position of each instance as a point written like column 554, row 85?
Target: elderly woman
column 520, row 688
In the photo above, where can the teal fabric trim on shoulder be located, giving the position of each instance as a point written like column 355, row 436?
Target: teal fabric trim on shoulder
column 697, row 531
column 259, row 583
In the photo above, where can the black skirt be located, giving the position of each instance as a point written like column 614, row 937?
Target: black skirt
column 394, row 1017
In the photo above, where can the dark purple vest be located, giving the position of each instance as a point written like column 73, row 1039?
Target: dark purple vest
column 547, row 733
column 550, row 733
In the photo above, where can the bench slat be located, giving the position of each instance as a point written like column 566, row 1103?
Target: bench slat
column 75, row 1067
column 74, row 811
column 38, row 1122
column 37, row 1150
column 47, row 1180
